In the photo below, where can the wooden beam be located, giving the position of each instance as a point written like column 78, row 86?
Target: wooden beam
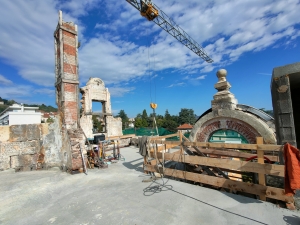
column 145, row 163
column 232, row 153
column 180, row 139
column 260, row 159
column 120, row 137
column 163, row 147
column 185, row 138
column 272, row 169
column 263, row 147
column 163, row 137
column 256, row 189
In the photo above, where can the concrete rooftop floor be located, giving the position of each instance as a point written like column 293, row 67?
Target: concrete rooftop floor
column 117, row 196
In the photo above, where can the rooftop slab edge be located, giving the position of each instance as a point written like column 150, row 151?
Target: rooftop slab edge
column 286, row 69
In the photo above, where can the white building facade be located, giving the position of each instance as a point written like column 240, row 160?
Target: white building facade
column 19, row 114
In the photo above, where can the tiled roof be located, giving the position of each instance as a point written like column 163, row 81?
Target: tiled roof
column 185, row 126
column 46, row 116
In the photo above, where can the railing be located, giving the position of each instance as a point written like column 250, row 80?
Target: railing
column 218, row 156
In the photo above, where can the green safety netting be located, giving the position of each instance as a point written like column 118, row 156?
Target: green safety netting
column 151, row 132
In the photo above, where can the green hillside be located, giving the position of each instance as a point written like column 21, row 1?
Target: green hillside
column 43, row 107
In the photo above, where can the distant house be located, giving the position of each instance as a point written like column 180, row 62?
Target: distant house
column 1, row 103
column 19, row 114
column 131, row 122
column 47, row 115
column 185, row 128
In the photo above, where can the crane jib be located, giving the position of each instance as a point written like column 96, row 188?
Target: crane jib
column 151, row 12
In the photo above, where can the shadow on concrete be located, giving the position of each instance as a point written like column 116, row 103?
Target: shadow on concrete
column 136, row 167
column 156, row 187
column 291, row 220
column 241, row 198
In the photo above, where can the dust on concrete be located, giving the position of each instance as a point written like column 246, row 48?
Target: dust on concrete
column 117, row 195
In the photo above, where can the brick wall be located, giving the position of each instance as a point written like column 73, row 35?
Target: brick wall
column 68, row 93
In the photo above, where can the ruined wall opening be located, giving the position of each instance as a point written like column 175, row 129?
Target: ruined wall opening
column 96, row 97
column 227, row 136
column 97, row 117
column 295, row 92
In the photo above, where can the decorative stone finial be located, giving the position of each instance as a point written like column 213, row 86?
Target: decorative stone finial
column 223, row 99
column 221, row 74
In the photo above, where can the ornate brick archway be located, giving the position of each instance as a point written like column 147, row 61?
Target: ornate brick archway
column 240, row 127
column 226, row 114
column 244, row 123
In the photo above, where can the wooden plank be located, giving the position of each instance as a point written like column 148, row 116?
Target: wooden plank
column 185, row 138
column 180, row 139
column 145, row 163
column 260, row 159
column 262, row 147
column 232, row 153
column 256, row 189
column 272, row 169
column 153, row 162
column 163, row 137
column 163, row 147
column 120, row 137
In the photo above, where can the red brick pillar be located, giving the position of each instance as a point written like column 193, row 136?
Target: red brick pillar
column 66, row 72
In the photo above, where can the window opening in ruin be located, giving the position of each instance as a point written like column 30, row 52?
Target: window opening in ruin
column 227, row 136
column 97, row 117
column 295, row 91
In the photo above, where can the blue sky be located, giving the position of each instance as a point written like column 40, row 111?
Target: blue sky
column 139, row 62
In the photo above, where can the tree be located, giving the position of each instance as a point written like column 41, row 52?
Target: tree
column 170, row 125
column 160, row 122
column 175, row 118
column 139, row 116
column 11, row 102
column 50, row 120
column 124, row 118
column 186, row 116
column 167, row 115
column 97, row 126
column 139, row 122
column 270, row 112
column 145, row 118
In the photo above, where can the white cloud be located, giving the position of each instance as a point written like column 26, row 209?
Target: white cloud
column 230, row 29
column 45, row 91
column 176, row 85
column 27, row 41
column 5, row 81
column 79, row 8
column 117, row 102
column 121, row 61
column 120, row 91
column 27, row 38
column 101, row 26
column 200, row 77
column 16, row 91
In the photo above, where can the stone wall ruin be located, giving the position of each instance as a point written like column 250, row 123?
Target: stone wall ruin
column 95, row 91
column 19, row 145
